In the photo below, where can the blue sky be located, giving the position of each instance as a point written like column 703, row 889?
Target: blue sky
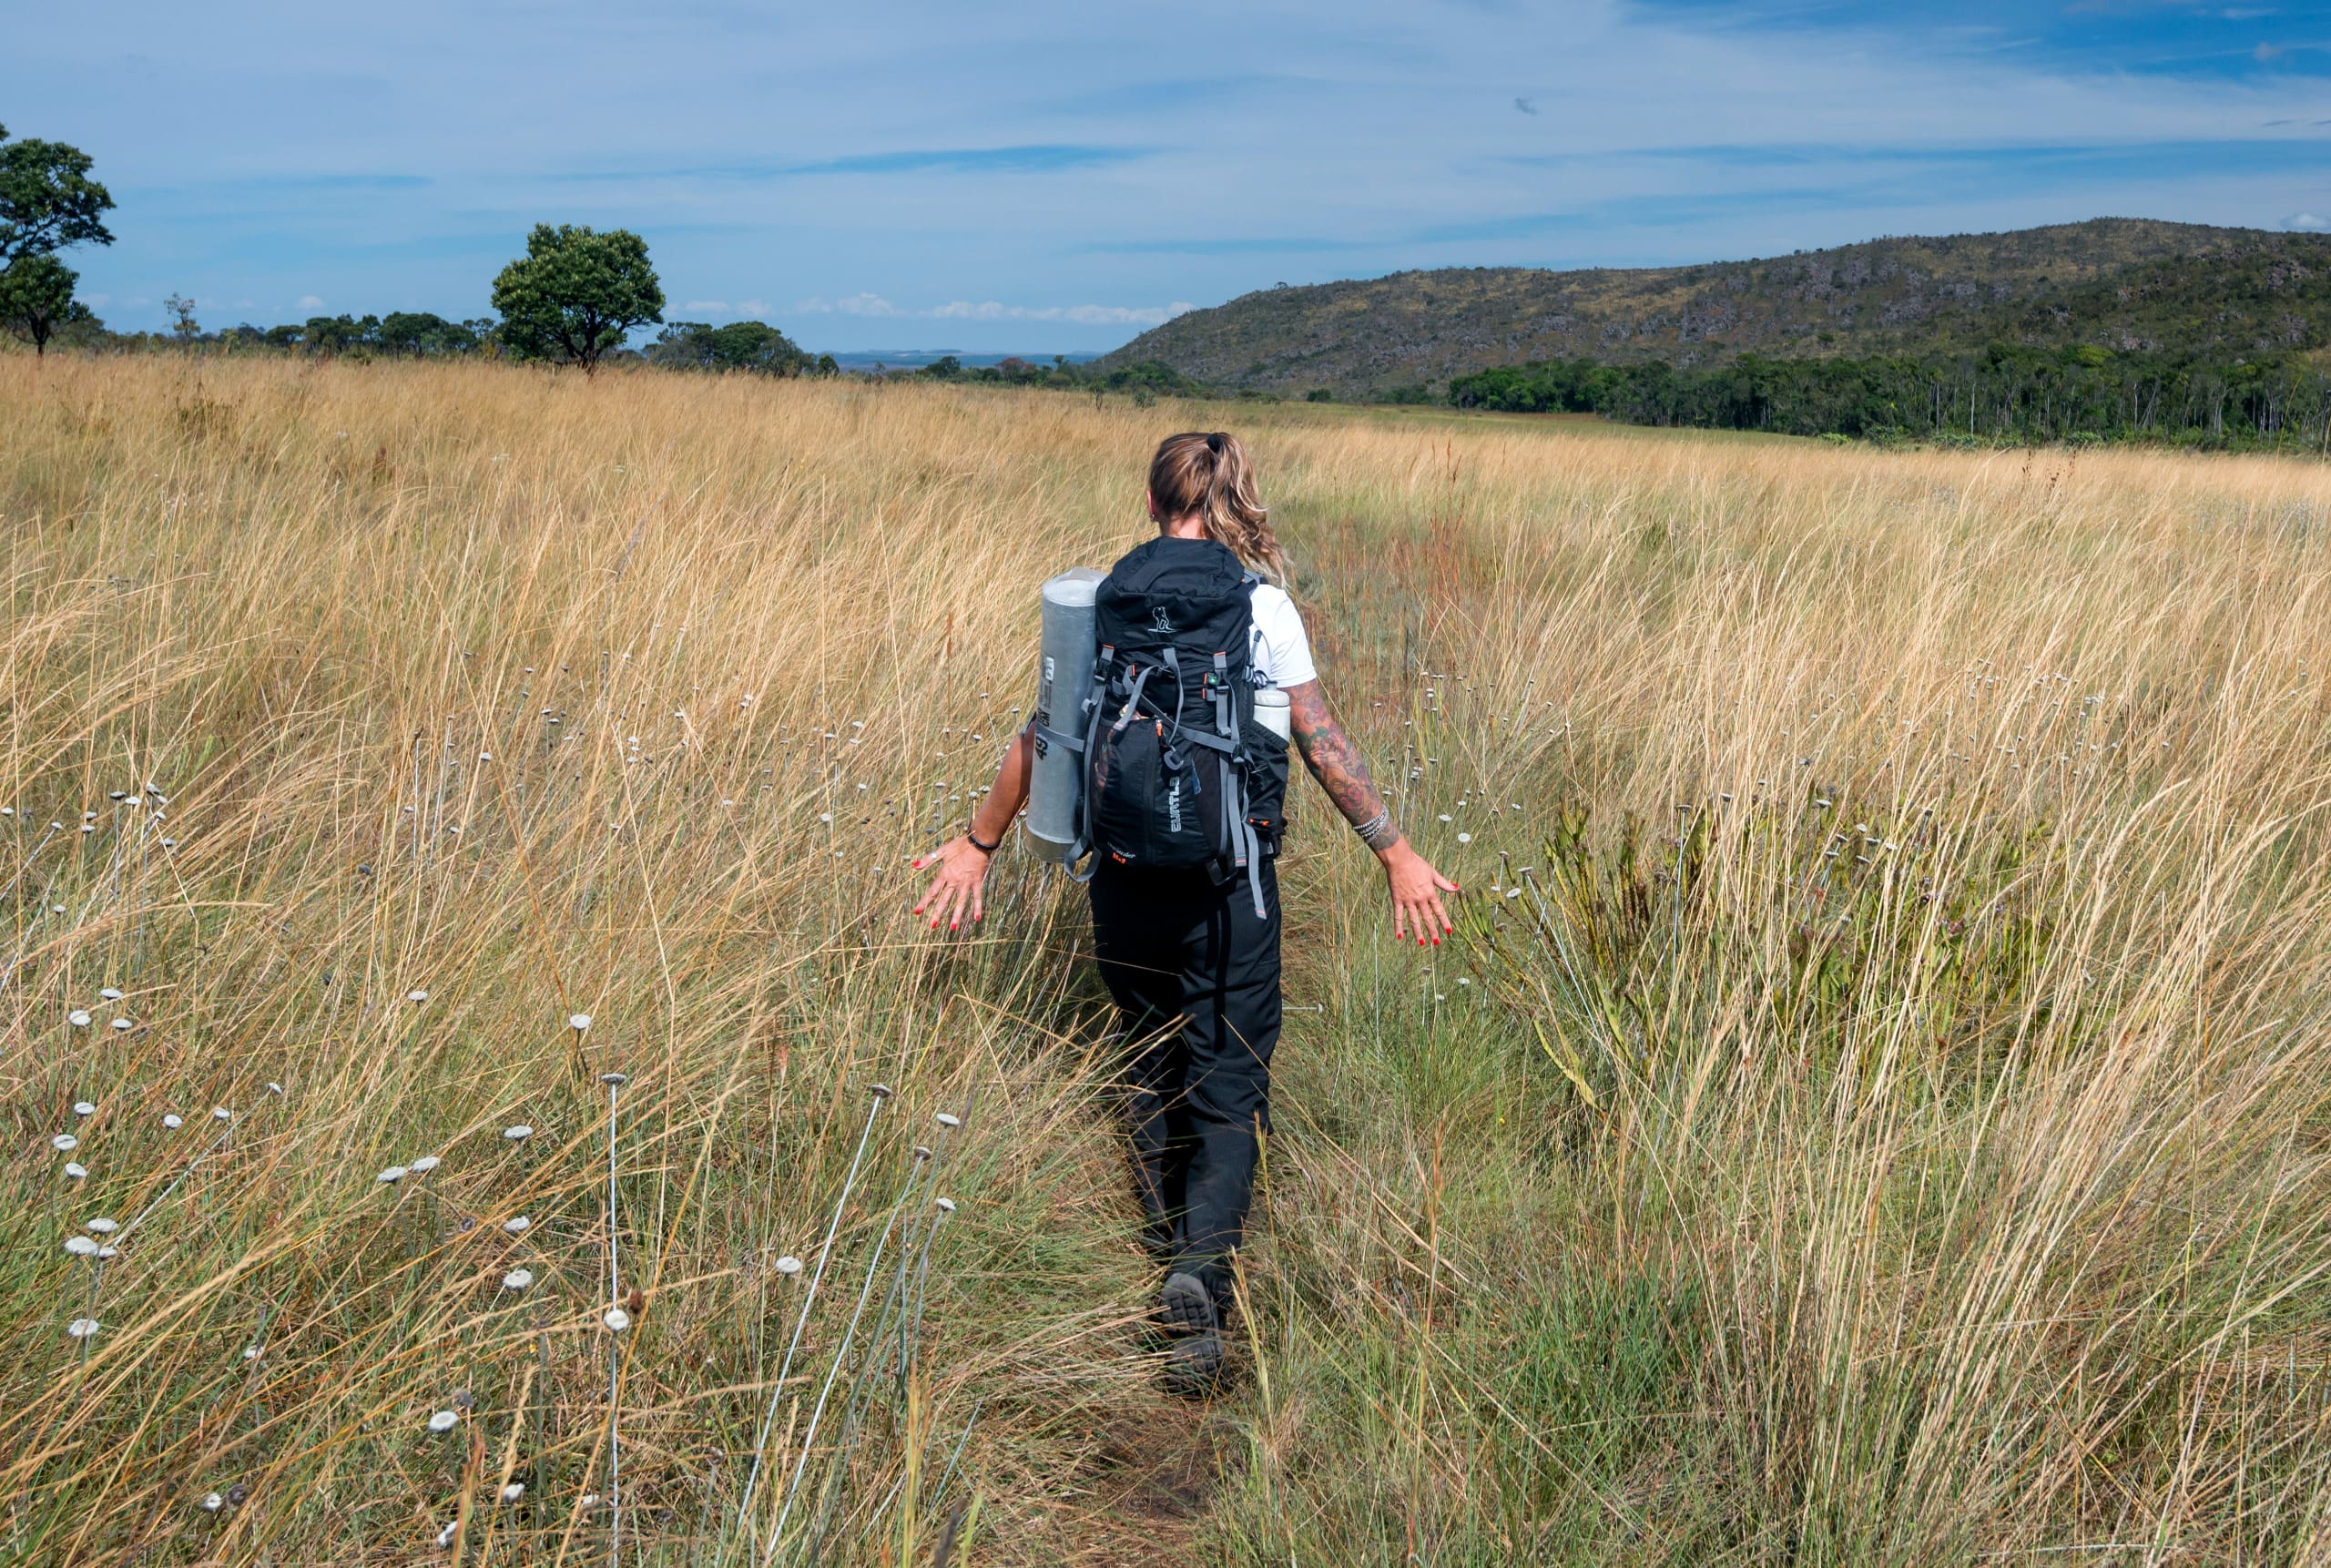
column 1051, row 175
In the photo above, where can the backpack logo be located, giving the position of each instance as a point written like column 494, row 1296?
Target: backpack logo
column 1173, row 806
column 1159, row 623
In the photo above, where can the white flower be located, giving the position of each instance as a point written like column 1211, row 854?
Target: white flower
column 517, row 1279
column 617, row 1320
column 273, row 1087
column 443, row 1421
column 221, row 1113
column 579, row 1022
column 516, row 1224
column 588, row 1501
column 416, row 997
column 82, row 1328
column 102, row 1226
column 123, row 1023
column 486, row 757
column 1445, row 817
column 110, row 994
column 64, row 1143
column 78, row 1019
column 213, row 1502
column 789, row 1266
column 454, row 1526
column 391, row 1176
column 424, row 1166
column 949, row 1119
column 75, row 1172
column 615, row 1080
column 519, row 1133
column 80, row 1246
column 107, row 1252
column 252, row 1352
column 946, row 1206
column 513, row 1492
column 1464, row 838
column 174, row 1121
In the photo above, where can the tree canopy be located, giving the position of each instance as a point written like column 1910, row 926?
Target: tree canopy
column 576, row 293
column 738, row 346
column 47, row 199
column 37, row 298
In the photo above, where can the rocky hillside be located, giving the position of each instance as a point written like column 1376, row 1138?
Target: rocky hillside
column 2125, row 283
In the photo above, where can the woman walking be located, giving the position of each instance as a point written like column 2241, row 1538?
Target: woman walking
column 1190, row 952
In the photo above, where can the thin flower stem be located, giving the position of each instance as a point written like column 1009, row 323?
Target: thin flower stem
column 833, row 1369
column 164, row 1195
column 800, row 1320
column 614, row 1354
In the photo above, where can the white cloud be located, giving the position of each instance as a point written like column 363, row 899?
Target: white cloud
column 847, row 305
column 309, row 302
column 705, row 305
column 1083, row 315
column 2308, row 221
column 754, row 308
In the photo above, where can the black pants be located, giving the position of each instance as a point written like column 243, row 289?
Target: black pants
column 1172, row 945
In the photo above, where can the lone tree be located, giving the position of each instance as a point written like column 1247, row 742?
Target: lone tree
column 575, row 294
column 37, row 298
column 47, row 199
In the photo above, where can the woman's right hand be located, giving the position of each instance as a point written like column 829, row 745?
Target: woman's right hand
column 954, row 892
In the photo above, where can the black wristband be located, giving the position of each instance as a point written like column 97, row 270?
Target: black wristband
column 983, row 849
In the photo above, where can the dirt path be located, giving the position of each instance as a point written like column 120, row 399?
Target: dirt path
column 1154, row 1471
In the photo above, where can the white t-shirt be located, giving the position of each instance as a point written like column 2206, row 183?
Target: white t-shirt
column 1281, row 651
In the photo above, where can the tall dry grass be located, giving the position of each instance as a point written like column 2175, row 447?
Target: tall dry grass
column 1874, row 1111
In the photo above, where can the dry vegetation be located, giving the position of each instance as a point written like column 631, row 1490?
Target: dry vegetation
column 1875, row 1110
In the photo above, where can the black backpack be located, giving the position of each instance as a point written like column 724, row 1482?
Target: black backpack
column 1178, row 774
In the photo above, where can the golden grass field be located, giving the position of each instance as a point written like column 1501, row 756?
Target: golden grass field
column 1874, row 1109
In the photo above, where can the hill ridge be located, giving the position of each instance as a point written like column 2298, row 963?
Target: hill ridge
column 2119, row 282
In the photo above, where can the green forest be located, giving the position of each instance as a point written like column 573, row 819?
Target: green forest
column 2007, row 393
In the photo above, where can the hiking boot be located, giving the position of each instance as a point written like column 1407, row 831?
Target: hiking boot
column 1193, row 1358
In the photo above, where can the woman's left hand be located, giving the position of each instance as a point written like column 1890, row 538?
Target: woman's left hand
column 954, row 893
column 1416, row 894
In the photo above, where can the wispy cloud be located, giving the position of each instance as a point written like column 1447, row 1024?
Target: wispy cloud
column 1036, row 157
column 1083, row 315
column 882, row 169
column 1040, row 158
column 2309, row 222
column 847, row 305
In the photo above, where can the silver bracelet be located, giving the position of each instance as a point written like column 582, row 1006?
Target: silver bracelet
column 1378, row 831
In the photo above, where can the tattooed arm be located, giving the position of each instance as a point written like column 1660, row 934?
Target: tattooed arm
column 1342, row 772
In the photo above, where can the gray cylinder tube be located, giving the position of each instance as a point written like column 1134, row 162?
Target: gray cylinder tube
column 1064, row 680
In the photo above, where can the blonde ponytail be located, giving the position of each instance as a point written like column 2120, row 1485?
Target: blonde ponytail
column 1206, row 474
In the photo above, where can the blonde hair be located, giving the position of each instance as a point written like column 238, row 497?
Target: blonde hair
column 1206, row 474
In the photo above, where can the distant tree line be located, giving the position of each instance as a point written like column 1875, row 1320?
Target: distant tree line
column 1143, row 381
column 2008, row 393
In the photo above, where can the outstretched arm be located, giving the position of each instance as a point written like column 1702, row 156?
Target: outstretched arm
column 1342, row 772
column 962, row 860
